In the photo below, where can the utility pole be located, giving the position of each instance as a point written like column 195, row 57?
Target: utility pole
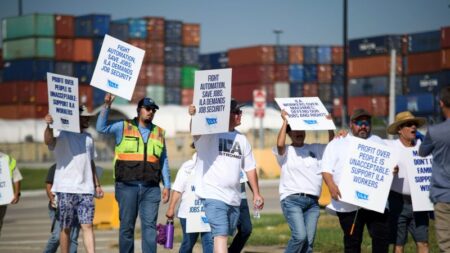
column 345, row 64
column 20, row 7
column 278, row 33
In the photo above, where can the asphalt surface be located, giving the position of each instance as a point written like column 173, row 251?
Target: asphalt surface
column 26, row 226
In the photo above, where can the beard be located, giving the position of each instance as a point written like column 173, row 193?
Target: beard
column 148, row 121
column 364, row 134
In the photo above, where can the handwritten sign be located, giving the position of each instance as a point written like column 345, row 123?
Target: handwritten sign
column 212, row 91
column 306, row 113
column 367, row 175
column 63, row 102
column 117, row 67
column 196, row 221
column 6, row 188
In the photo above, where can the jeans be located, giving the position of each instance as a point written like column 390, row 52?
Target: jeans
column 244, row 228
column 377, row 225
column 301, row 213
column 222, row 217
column 53, row 241
column 189, row 240
column 134, row 198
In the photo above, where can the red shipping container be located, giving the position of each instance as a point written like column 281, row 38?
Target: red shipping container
column 138, row 43
column 82, row 50
column 310, row 90
column 337, row 55
column 155, row 29
column 154, row 52
column 187, row 96
column 380, row 106
column 33, row 111
column 295, row 55
column 446, row 59
column 244, row 93
column 191, row 35
column 64, row 26
column 445, row 37
column 64, row 49
column 9, row 111
column 405, row 44
column 8, row 93
column 372, row 66
column 424, row 63
column 155, row 74
column 325, row 93
column 337, row 107
column 253, row 74
column 40, row 92
column 251, row 56
column 142, row 77
column 32, row 92
column 139, row 93
column 324, row 73
column 85, row 93
column 282, row 73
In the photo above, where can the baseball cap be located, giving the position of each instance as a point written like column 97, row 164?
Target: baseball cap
column 147, row 102
column 359, row 113
column 234, row 105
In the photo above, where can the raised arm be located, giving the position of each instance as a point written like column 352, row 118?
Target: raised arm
column 281, row 140
column 49, row 138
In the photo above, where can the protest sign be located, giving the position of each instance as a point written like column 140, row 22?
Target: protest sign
column 196, row 221
column 6, row 188
column 63, row 102
column 212, row 93
column 117, row 67
column 367, row 174
column 306, row 113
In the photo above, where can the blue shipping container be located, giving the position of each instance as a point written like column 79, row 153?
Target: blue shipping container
column 190, row 56
column 418, row 104
column 172, row 76
column 372, row 86
column 337, row 90
column 172, row 95
column 337, row 74
column 119, row 30
column 27, row 70
column 92, row 25
column 432, row 82
column 296, row 73
column 310, row 73
column 281, row 54
column 64, row 68
column 173, row 31
column 424, row 41
column 378, row 45
column 98, row 96
column 204, row 61
column 83, row 71
column 324, row 55
column 218, row 60
column 137, row 28
column 173, row 55
column 310, row 55
column 97, row 46
column 296, row 89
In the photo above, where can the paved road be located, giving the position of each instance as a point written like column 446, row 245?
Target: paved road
column 26, row 226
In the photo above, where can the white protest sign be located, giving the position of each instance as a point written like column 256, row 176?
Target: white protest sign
column 306, row 113
column 418, row 170
column 6, row 188
column 63, row 103
column 196, row 221
column 212, row 92
column 367, row 174
column 117, row 67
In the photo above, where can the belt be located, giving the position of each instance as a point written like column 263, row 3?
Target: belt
column 305, row 195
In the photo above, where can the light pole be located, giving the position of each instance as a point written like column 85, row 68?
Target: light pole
column 345, row 62
column 278, row 33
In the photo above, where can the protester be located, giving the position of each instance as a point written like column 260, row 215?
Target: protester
column 53, row 241
column 403, row 219
column 75, row 181
column 300, row 185
column 184, row 188
column 437, row 143
column 333, row 162
column 220, row 160
column 140, row 160
column 16, row 177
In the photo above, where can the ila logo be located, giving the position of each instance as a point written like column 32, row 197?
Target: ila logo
column 211, row 121
column 362, row 196
column 113, row 84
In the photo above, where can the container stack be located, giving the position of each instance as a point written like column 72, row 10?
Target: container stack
column 190, row 55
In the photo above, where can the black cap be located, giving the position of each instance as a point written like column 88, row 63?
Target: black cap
column 359, row 113
column 147, row 102
column 234, row 105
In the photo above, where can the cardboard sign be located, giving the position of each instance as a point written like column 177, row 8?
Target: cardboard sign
column 367, row 175
column 63, row 102
column 6, row 188
column 212, row 93
column 306, row 113
column 196, row 221
column 117, row 67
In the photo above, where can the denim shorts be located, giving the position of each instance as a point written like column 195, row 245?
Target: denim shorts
column 75, row 209
column 222, row 217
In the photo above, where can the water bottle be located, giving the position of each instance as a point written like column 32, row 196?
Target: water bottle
column 169, row 234
column 256, row 210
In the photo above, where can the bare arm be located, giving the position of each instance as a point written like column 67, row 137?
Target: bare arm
column 49, row 139
column 281, row 140
column 16, row 198
column 334, row 190
column 98, row 187
column 173, row 202
column 254, row 185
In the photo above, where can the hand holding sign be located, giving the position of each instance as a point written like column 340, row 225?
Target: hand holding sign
column 109, row 99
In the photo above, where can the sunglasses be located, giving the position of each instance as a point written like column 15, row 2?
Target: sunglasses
column 237, row 112
column 408, row 124
column 149, row 109
column 360, row 123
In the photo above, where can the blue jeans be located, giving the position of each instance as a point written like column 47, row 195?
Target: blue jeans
column 53, row 241
column 134, row 198
column 244, row 228
column 189, row 240
column 222, row 217
column 301, row 213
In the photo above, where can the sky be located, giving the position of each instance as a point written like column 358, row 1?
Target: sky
column 229, row 24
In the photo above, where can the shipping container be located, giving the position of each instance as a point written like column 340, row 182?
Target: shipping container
column 424, row 42
column 29, row 48
column 310, row 55
column 445, row 37
column 373, row 86
column 281, row 73
column 123, row 101
column 187, row 96
column 218, row 60
column 173, row 31
column 296, row 89
column 64, row 68
column 253, row 74
column 173, row 55
column 28, row 26
column 420, row 104
column 372, row 66
column 424, row 63
column 281, row 90
column 296, row 73
column 32, row 92
column 155, row 74
column 93, row 25
column 338, row 74
column 204, row 62
column 432, row 82
column 295, row 55
column 445, row 64
column 97, row 44
column 154, row 52
column 281, row 54
column 324, row 55
column 9, row 93
column 191, row 35
column 337, row 90
column 337, row 55
column 188, row 77
column 137, row 28
column 98, row 96
column 86, row 97
column 140, row 43
column 9, row 112
column 155, row 29
column 36, row 70
column 325, row 93
column 83, row 71
column 119, row 31
column 324, row 73
column 172, row 95
column 63, row 49
column 378, row 45
column 244, row 93
column 172, row 76
column 378, row 106
column 83, row 50
column 310, row 72
column 139, row 93
column 142, row 77
column 310, row 90
column 256, row 55
column 64, row 26
column 190, row 56
column 35, row 111
column 156, row 93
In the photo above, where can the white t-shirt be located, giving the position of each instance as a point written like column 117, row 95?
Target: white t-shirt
column 184, row 183
column 300, row 169
column 220, row 160
column 73, row 154
column 333, row 162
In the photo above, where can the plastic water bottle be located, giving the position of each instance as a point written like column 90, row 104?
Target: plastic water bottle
column 256, row 210
column 169, row 234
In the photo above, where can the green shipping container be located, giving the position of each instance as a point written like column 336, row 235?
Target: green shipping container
column 156, row 92
column 29, row 48
column 28, row 26
column 121, row 101
column 187, row 77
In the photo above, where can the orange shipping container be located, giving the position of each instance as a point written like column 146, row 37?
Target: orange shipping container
column 372, row 66
column 8, row 93
column 155, row 74
column 186, row 96
column 63, row 49
column 9, row 111
column 244, row 93
column 310, row 90
column 191, row 35
column 424, row 63
column 324, row 73
column 253, row 73
column 64, row 26
column 139, row 93
column 34, row 111
column 251, row 56
column 155, row 29
column 142, row 77
column 446, row 58
column 154, row 52
column 82, row 50
column 138, row 43
column 295, row 55
column 337, row 55
column 85, row 93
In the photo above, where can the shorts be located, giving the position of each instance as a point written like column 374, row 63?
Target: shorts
column 222, row 217
column 75, row 209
